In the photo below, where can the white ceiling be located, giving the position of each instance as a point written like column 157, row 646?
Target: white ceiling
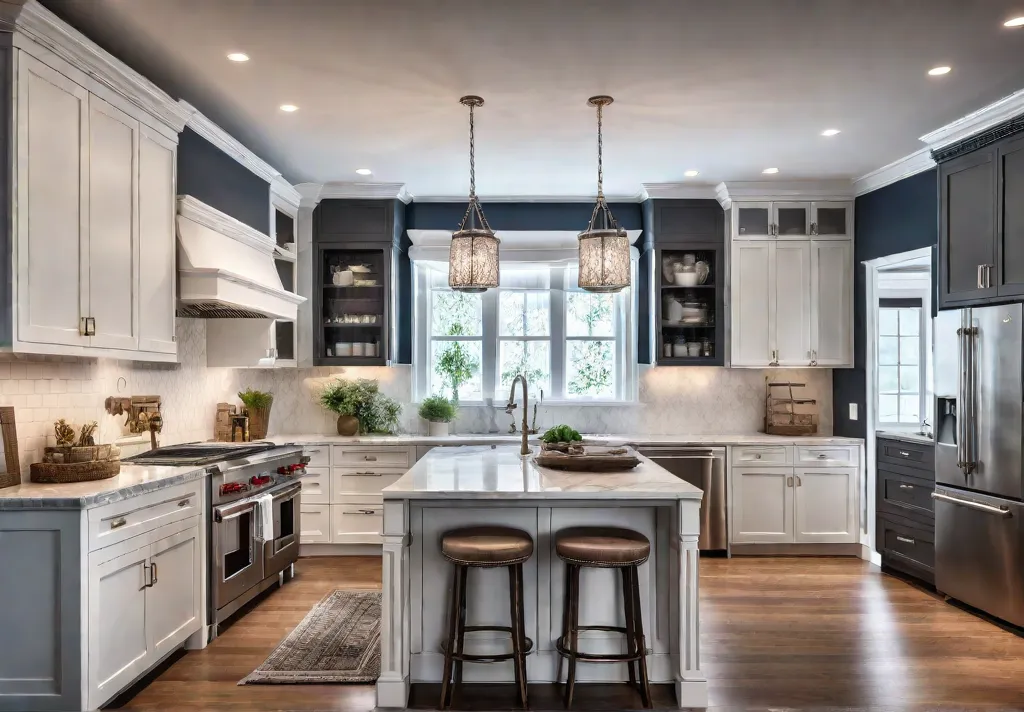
column 727, row 87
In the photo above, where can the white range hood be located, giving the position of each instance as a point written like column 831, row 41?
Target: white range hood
column 226, row 268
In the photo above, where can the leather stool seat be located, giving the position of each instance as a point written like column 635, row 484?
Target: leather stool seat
column 607, row 547
column 486, row 546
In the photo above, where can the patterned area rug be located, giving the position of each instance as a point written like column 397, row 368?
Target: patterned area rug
column 337, row 641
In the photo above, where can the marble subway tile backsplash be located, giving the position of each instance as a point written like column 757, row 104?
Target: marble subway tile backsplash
column 43, row 389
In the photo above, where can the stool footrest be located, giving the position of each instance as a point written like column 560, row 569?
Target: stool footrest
column 563, row 649
column 494, row 658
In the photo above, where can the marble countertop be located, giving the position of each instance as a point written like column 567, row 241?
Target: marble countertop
column 484, row 472
column 906, row 437
column 131, row 482
column 613, row 438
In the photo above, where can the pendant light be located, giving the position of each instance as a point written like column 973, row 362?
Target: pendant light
column 603, row 246
column 473, row 255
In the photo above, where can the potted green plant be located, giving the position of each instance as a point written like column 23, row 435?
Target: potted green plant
column 257, row 407
column 456, row 364
column 438, row 411
column 360, row 406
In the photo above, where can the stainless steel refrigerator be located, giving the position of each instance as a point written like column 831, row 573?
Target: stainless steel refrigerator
column 979, row 473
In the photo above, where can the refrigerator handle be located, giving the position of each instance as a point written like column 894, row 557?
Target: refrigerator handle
column 961, row 404
column 967, row 394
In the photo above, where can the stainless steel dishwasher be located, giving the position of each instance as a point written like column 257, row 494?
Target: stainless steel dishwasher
column 702, row 467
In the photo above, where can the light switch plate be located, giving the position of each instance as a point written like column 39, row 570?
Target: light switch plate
column 853, row 411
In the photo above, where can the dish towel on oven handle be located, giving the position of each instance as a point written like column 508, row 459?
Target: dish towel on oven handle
column 265, row 517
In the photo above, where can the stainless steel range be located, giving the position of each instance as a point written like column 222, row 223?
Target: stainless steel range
column 253, row 537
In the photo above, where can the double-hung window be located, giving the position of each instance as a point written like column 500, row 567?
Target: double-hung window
column 575, row 346
column 902, row 348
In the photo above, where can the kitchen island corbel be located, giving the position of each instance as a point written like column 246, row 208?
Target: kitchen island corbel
column 468, row 486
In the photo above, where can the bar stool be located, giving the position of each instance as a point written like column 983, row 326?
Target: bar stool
column 608, row 548
column 485, row 547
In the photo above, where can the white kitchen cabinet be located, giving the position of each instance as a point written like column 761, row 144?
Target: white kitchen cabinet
column 173, row 605
column 357, row 521
column 762, row 505
column 752, row 220
column 831, row 302
column 832, row 219
column 93, row 217
column 790, row 319
column 316, row 523
column 825, row 505
column 791, row 220
column 752, row 341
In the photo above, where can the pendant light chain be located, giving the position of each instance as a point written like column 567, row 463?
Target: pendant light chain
column 472, row 154
column 600, row 154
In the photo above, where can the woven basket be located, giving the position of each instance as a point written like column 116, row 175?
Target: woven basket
column 52, row 473
column 259, row 420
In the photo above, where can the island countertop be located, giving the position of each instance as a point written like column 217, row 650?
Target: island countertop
column 499, row 472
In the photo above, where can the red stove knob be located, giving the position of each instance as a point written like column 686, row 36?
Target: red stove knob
column 260, row 480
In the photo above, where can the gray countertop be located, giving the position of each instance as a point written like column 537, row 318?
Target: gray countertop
column 502, row 439
column 905, row 437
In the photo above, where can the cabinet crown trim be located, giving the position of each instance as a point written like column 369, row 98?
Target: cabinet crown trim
column 313, row 193
column 199, row 212
column 669, row 191
column 765, row 191
column 976, row 122
column 47, row 30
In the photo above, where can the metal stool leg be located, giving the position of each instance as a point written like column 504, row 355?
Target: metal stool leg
column 627, row 606
column 515, row 599
column 463, row 588
column 449, row 649
column 638, row 635
column 574, row 622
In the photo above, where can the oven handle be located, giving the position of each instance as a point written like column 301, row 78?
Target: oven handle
column 234, row 509
column 291, row 490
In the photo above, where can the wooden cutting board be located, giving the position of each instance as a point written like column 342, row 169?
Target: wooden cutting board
column 595, row 458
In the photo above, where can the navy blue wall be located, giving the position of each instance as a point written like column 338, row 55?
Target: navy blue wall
column 520, row 216
column 897, row 218
column 212, row 176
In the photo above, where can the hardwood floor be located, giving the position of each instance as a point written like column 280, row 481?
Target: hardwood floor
column 779, row 632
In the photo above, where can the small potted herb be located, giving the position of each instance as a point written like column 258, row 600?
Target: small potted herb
column 361, row 407
column 562, row 438
column 257, row 407
column 438, row 411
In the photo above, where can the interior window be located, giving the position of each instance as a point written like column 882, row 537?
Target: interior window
column 902, row 377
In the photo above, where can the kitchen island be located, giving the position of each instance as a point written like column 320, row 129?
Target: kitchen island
column 465, row 486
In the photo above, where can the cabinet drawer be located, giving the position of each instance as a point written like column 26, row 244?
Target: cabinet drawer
column 357, row 522
column 121, row 520
column 750, row 455
column 316, row 486
column 918, row 456
column 319, row 455
column 830, row 455
column 315, row 524
column 355, row 455
column 908, row 547
column 361, row 481
column 899, row 494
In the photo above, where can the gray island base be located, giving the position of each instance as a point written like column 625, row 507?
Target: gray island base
column 466, row 486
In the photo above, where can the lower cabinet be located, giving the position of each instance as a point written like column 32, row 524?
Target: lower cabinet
column 316, row 523
column 357, row 522
column 777, row 504
column 143, row 604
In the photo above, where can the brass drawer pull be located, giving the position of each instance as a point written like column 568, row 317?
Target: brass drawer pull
column 905, row 540
column 118, row 523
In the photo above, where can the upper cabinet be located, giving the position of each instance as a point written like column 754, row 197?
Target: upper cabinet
column 92, row 207
column 981, row 226
column 792, row 220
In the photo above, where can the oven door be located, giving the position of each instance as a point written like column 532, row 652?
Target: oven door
column 282, row 549
column 237, row 556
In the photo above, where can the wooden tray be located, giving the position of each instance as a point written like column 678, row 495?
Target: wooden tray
column 594, row 459
column 52, row 473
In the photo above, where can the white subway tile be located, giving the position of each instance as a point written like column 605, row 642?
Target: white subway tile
column 42, row 386
column 17, row 370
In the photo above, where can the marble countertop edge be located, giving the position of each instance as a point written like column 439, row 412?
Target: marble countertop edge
column 132, row 481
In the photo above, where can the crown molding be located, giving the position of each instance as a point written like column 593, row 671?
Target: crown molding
column 9, row 11
column 916, row 162
column 637, row 197
column 199, row 212
column 48, row 31
column 977, row 121
column 227, row 143
column 309, row 194
column 763, row 191
column 285, row 191
column 356, row 190
column 684, row 190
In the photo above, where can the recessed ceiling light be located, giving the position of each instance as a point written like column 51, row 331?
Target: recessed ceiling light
column 289, row 108
column 238, row 57
column 691, row 173
column 364, row 171
column 830, row 132
column 1015, row 22
column 938, row 71
column 770, row 170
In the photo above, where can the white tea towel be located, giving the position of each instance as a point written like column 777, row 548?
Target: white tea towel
column 265, row 517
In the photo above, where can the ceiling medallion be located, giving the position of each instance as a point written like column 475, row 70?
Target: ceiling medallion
column 473, row 255
column 604, row 246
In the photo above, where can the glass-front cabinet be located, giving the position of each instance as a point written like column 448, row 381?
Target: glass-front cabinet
column 791, row 220
column 831, row 219
column 690, row 308
column 352, row 304
column 753, row 220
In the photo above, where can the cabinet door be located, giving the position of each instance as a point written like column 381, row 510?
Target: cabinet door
column 357, row 521
column 762, row 505
column 172, row 607
column 831, row 219
column 751, row 340
column 1009, row 277
column 113, row 228
column 791, row 313
column 315, row 521
column 791, row 220
column 119, row 649
column 51, row 205
column 157, row 267
column 832, row 302
column 967, row 217
column 826, row 505
column 752, row 220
